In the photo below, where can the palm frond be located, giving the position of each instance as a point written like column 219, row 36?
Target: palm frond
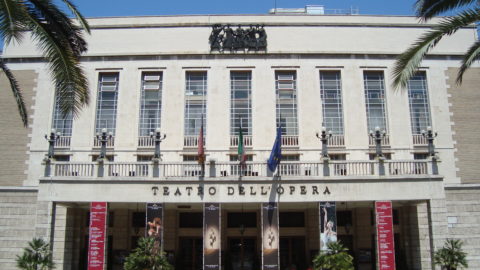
column 78, row 15
column 59, row 24
column 407, row 63
column 17, row 93
column 11, row 17
column 69, row 78
column 426, row 9
column 472, row 55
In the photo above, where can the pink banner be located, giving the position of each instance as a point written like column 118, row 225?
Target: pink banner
column 96, row 241
column 385, row 245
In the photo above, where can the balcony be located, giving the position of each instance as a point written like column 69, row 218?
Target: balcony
column 146, row 142
column 251, row 170
column 191, row 141
column 419, row 140
column 63, row 142
column 97, row 143
column 336, row 140
column 385, row 141
column 247, row 141
column 289, row 141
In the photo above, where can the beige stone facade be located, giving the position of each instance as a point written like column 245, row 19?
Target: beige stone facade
column 429, row 206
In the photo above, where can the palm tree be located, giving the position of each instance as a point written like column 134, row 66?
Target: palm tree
column 61, row 42
column 451, row 256
column 37, row 256
column 407, row 63
column 147, row 256
column 335, row 257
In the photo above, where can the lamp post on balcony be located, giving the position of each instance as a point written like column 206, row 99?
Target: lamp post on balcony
column 103, row 138
column 430, row 136
column 324, row 136
column 52, row 138
column 378, row 136
column 158, row 138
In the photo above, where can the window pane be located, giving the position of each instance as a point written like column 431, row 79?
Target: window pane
column 150, row 103
column 240, row 102
column 195, row 102
column 107, row 102
column 286, row 92
column 331, row 95
column 375, row 100
column 419, row 103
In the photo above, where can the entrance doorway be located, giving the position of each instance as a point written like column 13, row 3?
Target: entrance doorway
column 242, row 254
column 190, row 254
column 292, row 253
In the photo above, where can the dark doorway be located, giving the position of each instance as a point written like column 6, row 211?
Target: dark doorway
column 292, row 253
column 242, row 254
column 190, row 254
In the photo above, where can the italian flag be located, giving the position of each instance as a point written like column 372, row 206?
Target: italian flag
column 241, row 150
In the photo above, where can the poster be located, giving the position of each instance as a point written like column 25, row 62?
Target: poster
column 328, row 224
column 97, row 231
column 154, row 222
column 211, row 236
column 385, row 244
column 270, row 236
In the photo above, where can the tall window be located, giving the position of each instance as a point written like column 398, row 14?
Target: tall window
column 61, row 122
column 286, row 91
column 331, row 95
column 151, row 102
column 195, row 102
column 418, row 101
column 375, row 100
column 241, row 102
column 107, row 102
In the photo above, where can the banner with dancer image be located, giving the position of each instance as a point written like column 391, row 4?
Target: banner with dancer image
column 154, row 222
column 211, row 236
column 328, row 224
column 270, row 237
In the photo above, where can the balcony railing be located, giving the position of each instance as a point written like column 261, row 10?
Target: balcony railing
column 289, row 140
column 63, row 142
column 191, row 141
column 247, row 141
column 214, row 170
column 337, row 140
column 146, row 142
column 385, row 140
column 97, row 143
column 419, row 139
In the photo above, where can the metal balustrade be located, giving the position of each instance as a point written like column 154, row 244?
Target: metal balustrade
column 214, row 170
column 419, row 139
column 247, row 140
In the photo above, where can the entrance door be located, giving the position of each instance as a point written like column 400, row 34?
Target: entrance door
column 190, row 254
column 242, row 254
column 292, row 253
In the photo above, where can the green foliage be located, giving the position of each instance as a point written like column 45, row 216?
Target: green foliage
column 451, row 256
column 59, row 39
column 408, row 62
column 147, row 256
column 335, row 257
column 37, row 256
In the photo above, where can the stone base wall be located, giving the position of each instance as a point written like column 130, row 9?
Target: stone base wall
column 463, row 205
column 18, row 214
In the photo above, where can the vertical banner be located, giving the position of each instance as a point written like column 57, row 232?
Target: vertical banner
column 328, row 224
column 270, row 236
column 211, row 236
column 385, row 245
column 97, row 231
column 154, row 222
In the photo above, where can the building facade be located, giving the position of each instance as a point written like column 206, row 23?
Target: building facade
column 302, row 73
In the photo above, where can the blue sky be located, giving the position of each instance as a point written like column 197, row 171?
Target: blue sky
column 108, row 8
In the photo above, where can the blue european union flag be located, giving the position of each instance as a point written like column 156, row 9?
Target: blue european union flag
column 276, row 154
